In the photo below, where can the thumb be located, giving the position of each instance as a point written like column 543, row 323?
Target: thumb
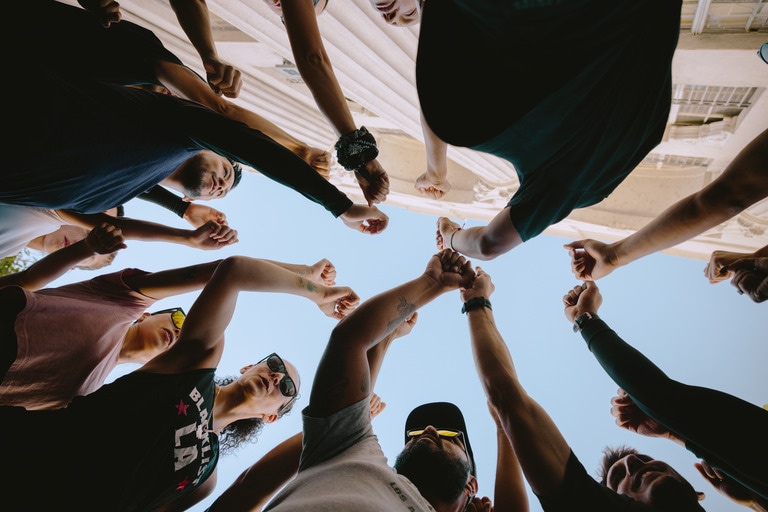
column 578, row 244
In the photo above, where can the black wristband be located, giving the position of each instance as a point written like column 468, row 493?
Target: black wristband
column 578, row 324
column 476, row 303
column 166, row 199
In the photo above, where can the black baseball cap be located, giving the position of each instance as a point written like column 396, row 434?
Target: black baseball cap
column 440, row 415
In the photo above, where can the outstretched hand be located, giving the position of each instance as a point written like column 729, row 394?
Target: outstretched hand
column 629, row 416
column 375, row 186
column 583, row 298
column 213, row 235
column 726, row 485
column 338, row 301
column 432, row 186
column 105, row 239
column 450, row 270
column 590, row 259
column 366, row 219
column 198, row 214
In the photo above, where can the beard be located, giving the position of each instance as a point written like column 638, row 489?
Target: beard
column 192, row 181
column 435, row 473
column 673, row 495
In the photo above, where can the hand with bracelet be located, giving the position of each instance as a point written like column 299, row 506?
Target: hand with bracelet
column 356, row 151
column 477, row 297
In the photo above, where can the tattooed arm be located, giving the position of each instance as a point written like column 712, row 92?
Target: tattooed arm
column 343, row 375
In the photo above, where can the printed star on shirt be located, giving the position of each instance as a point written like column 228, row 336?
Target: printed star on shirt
column 183, row 484
column 182, row 408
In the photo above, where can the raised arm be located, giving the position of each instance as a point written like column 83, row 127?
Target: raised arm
column 343, row 375
column 103, row 239
column 317, row 72
column 210, row 235
column 201, row 341
column 743, row 183
column 509, row 494
column 434, row 182
column 194, row 19
column 187, row 84
column 255, row 486
column 540, row 447
column 720, row 428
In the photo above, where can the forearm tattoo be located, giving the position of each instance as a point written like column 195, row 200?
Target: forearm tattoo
column 404, row 310
column 306, row 283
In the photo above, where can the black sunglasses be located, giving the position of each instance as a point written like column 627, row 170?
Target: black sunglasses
column 276, row 364
column 177, row 316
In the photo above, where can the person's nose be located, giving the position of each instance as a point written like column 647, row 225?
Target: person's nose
column 633, row 463
column 277, row 377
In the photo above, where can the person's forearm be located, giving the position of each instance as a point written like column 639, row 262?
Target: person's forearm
column 315, row 66
column 437, row 151
column 132, row 229
column 257, row 484
column 680, row 222
column 194, row 19
column 167, row 199
column 540, row 447
column 50, row 267
column 509, row 493
column 761, row 253
column 237, row 274
column 378, row 316
column 742, row 184
column 376, row 356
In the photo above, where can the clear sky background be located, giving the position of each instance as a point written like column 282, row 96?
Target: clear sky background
column 698, row 333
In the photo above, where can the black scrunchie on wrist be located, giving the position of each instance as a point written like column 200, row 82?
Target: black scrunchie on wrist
column 355, row 149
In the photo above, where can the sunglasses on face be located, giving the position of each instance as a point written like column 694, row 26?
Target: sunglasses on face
column 445, row 433
column 275, row 363
column 177, row 316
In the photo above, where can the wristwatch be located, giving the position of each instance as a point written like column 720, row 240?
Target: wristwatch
column 476, row 303
column 578, row 324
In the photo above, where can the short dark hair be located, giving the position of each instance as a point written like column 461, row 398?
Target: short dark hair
column 238, row 170
column 610, row 456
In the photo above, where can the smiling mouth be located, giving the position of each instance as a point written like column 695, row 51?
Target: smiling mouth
column 385, row 8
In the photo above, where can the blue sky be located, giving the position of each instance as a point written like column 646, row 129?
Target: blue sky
column 698, row 333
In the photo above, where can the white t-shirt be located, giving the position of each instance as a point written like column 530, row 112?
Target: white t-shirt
column 21, row 224
column 343, row 469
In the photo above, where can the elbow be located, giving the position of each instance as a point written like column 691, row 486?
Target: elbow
column 314, row 62
column 231, row 266
column 490, row 248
